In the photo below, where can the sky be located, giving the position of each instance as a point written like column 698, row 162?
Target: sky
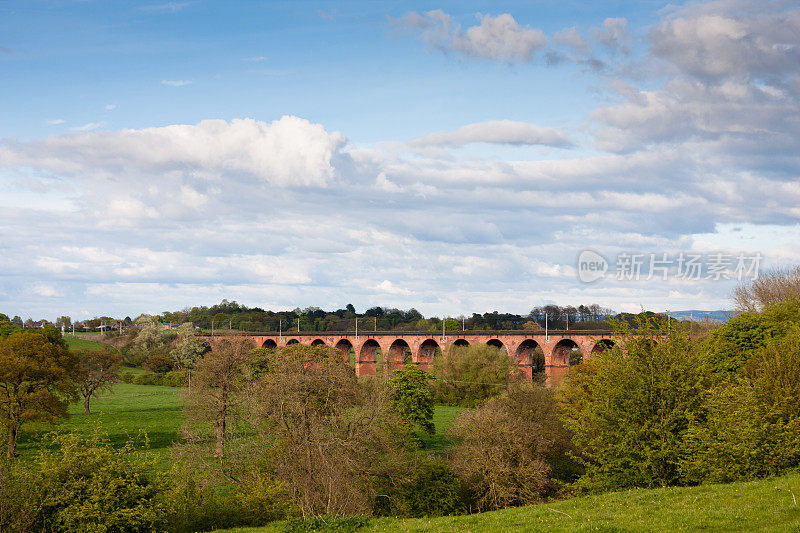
column 454, row 157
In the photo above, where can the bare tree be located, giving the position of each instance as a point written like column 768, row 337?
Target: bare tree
column 99, row 370
column 772, row 287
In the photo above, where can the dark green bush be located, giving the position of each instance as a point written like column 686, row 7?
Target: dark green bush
column 159, row 363
column 126, row 377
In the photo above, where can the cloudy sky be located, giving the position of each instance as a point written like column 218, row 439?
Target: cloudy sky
column 455, row 157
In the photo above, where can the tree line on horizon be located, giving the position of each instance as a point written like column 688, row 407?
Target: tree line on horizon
column 235, row 316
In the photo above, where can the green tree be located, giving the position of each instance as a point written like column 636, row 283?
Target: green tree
column 753, row 425
column 189, row 349
column 471, row 374
column 99, row 370
column 412, row 398
column 37, row 382
column 630, row 413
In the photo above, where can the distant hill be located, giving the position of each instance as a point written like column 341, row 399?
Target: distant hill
column 699, row 314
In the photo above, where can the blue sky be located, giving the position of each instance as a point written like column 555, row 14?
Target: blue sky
column 453, row 156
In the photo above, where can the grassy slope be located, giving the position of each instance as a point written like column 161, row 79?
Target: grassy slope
column 74, row 343
column 766, row 505
column 127, row 410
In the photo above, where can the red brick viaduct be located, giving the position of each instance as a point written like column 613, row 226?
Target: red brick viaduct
column 387, row 350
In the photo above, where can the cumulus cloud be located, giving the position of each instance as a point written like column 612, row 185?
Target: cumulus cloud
column 731, row 39
column 496, row 132
column 499, row 38
column 287, row 213
column 55, row 121
column 110, row 107
column 287, row 152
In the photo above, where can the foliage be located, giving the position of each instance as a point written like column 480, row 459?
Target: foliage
column 630, row 414
column 17, row 501
column 325, row 436
column 218, row 388
column 325, row 523
column 730, row 346
column 99, row 370
column 202, row 497
column 505, row 449
column 37, row 381
column 469, row 375
column 753, row 425
column 189, row 349
column 151, row 338
column 158, row 363
column 148, row 378
column 412, row 398
column 87, row 485
column 430, row 489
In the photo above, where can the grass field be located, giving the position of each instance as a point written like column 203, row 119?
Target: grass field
column 130, row 409
column 74, row 343
column 766, row 505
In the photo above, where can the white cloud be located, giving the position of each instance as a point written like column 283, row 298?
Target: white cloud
column 287, row 152
column 110, row 107
column 46, row 290
column 55, row 121
column 89, row 126
column 176, row 83
column 497, row 132
column 499, row 38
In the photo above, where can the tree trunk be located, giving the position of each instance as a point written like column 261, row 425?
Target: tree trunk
column 86, row 404
column 222, row 416
column 12, row 441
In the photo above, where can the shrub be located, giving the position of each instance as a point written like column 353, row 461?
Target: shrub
column 506, row 449
column 148, row 378
column 205, row 499
column 176, row 378
column 126, row 377
column 469, row 375
column 87, row 485
column 630, row 414
column 17, row 502
column 159, row 363
column 753, row 425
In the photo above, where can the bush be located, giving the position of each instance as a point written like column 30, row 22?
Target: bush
column 149, row 378
column 470, row 375
column 201, row 499
column 507, row 449
column 176, row 378
column 17, row 502
column 753, row 425
column 159, row 363
column 126, row 377
column 87, row 485
column 630, row 414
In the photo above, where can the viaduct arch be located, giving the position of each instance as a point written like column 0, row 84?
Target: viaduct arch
column 376, row 352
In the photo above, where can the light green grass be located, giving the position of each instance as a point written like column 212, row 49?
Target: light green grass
column 443, row 417
column 126, row 410
column 75, row 343
column 767, row 505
